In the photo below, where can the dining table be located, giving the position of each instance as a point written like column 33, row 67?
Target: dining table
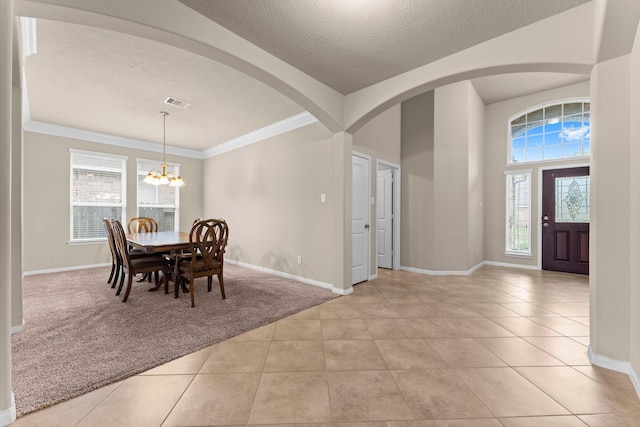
column 169, row 242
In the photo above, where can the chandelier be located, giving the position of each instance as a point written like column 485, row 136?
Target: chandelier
column 156, row 177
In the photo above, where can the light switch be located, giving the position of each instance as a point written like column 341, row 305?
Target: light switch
column 323, row 198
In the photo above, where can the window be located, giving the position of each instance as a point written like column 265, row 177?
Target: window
column 558, row 131
column 518, row 233
column 98, row 188
column 158, row 202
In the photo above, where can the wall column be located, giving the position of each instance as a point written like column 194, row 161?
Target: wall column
column 16, row 188
column 609, row 275
column 341, row 215
column 457, row 177
column 7, row 405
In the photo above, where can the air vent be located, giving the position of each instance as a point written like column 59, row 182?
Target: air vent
column 176, row 102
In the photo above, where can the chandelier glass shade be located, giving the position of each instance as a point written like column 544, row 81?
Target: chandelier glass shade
column 157, row 177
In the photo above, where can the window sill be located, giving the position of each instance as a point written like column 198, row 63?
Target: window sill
column 518, row 255
column 86, row 242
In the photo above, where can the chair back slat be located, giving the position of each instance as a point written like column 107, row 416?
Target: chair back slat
column 208, row 240
column 121, row 242
column 142, row 224
column 110, row 237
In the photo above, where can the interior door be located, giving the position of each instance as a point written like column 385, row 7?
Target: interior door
column 384, row 218
column 565, row 220
column 360, row 214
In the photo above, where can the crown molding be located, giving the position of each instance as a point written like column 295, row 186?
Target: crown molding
column 286, row 125
column 283, row 126
column 103, row 138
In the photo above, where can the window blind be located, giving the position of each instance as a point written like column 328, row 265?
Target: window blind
column 97, row 191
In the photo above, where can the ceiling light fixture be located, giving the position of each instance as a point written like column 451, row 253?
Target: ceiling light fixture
column 156, row 177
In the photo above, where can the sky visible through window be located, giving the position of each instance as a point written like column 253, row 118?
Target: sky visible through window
column 553, row 132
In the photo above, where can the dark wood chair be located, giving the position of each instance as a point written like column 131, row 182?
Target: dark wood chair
column 207, row 243
column 134, row 265
column 116, row 263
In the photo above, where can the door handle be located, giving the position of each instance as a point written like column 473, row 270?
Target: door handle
column 545, row 224
column 367, row 226
column 545, row 218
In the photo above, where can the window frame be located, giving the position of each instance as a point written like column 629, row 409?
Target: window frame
column 507, row 235
column 123, row 204
column 175, row 169
column 561, row 102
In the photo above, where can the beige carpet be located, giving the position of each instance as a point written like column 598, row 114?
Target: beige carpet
column 79, row 336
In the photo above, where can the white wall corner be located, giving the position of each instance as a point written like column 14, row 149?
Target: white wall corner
column 615, row 365
column 8, row 415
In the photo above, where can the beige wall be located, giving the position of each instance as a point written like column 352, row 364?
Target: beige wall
column 497, row 117
column 46, row 200
column 609, row 277
column 442, row 172
column 459, row 114
column 417, row 161
column 380, row 139
column 16, row 207
column 270, row 195
column 634, row 226
column 7, row 406
column 475, row 179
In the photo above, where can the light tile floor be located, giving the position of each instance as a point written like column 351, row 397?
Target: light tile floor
column 501, row 347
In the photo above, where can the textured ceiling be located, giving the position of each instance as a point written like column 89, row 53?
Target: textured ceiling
column 113, row 83
column 108, row 82
column 351, row 44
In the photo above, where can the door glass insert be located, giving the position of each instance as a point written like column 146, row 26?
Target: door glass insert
column 572, row 199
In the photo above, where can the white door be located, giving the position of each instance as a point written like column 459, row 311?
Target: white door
column 384, row 224
column 360, row 213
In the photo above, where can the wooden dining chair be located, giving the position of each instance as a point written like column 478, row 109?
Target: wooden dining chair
column 134, row 265
column 142, row 224
column 116, row 263
column 207, row 243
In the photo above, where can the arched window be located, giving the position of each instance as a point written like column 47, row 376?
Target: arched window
column 552, row 132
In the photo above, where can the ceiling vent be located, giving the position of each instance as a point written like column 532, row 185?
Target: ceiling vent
column 176, row 102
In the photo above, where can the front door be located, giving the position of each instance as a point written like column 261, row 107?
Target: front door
column 565, row 220
column 360, row 214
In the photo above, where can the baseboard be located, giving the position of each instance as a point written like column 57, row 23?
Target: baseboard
column 511, row 265
column 443, row 272
column 8, row 415
column 343, row 292
column 615, row 365
column 63, row 269
column 17, row 328
column 285, row 275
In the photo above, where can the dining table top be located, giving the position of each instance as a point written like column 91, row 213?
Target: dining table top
column 159, row 241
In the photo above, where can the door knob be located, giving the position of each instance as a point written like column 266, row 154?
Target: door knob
column 545, row 224
column 545, row 218
column 366, row 226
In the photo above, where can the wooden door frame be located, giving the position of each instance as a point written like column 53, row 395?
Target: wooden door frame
column 538, row 219
column 396, row 212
